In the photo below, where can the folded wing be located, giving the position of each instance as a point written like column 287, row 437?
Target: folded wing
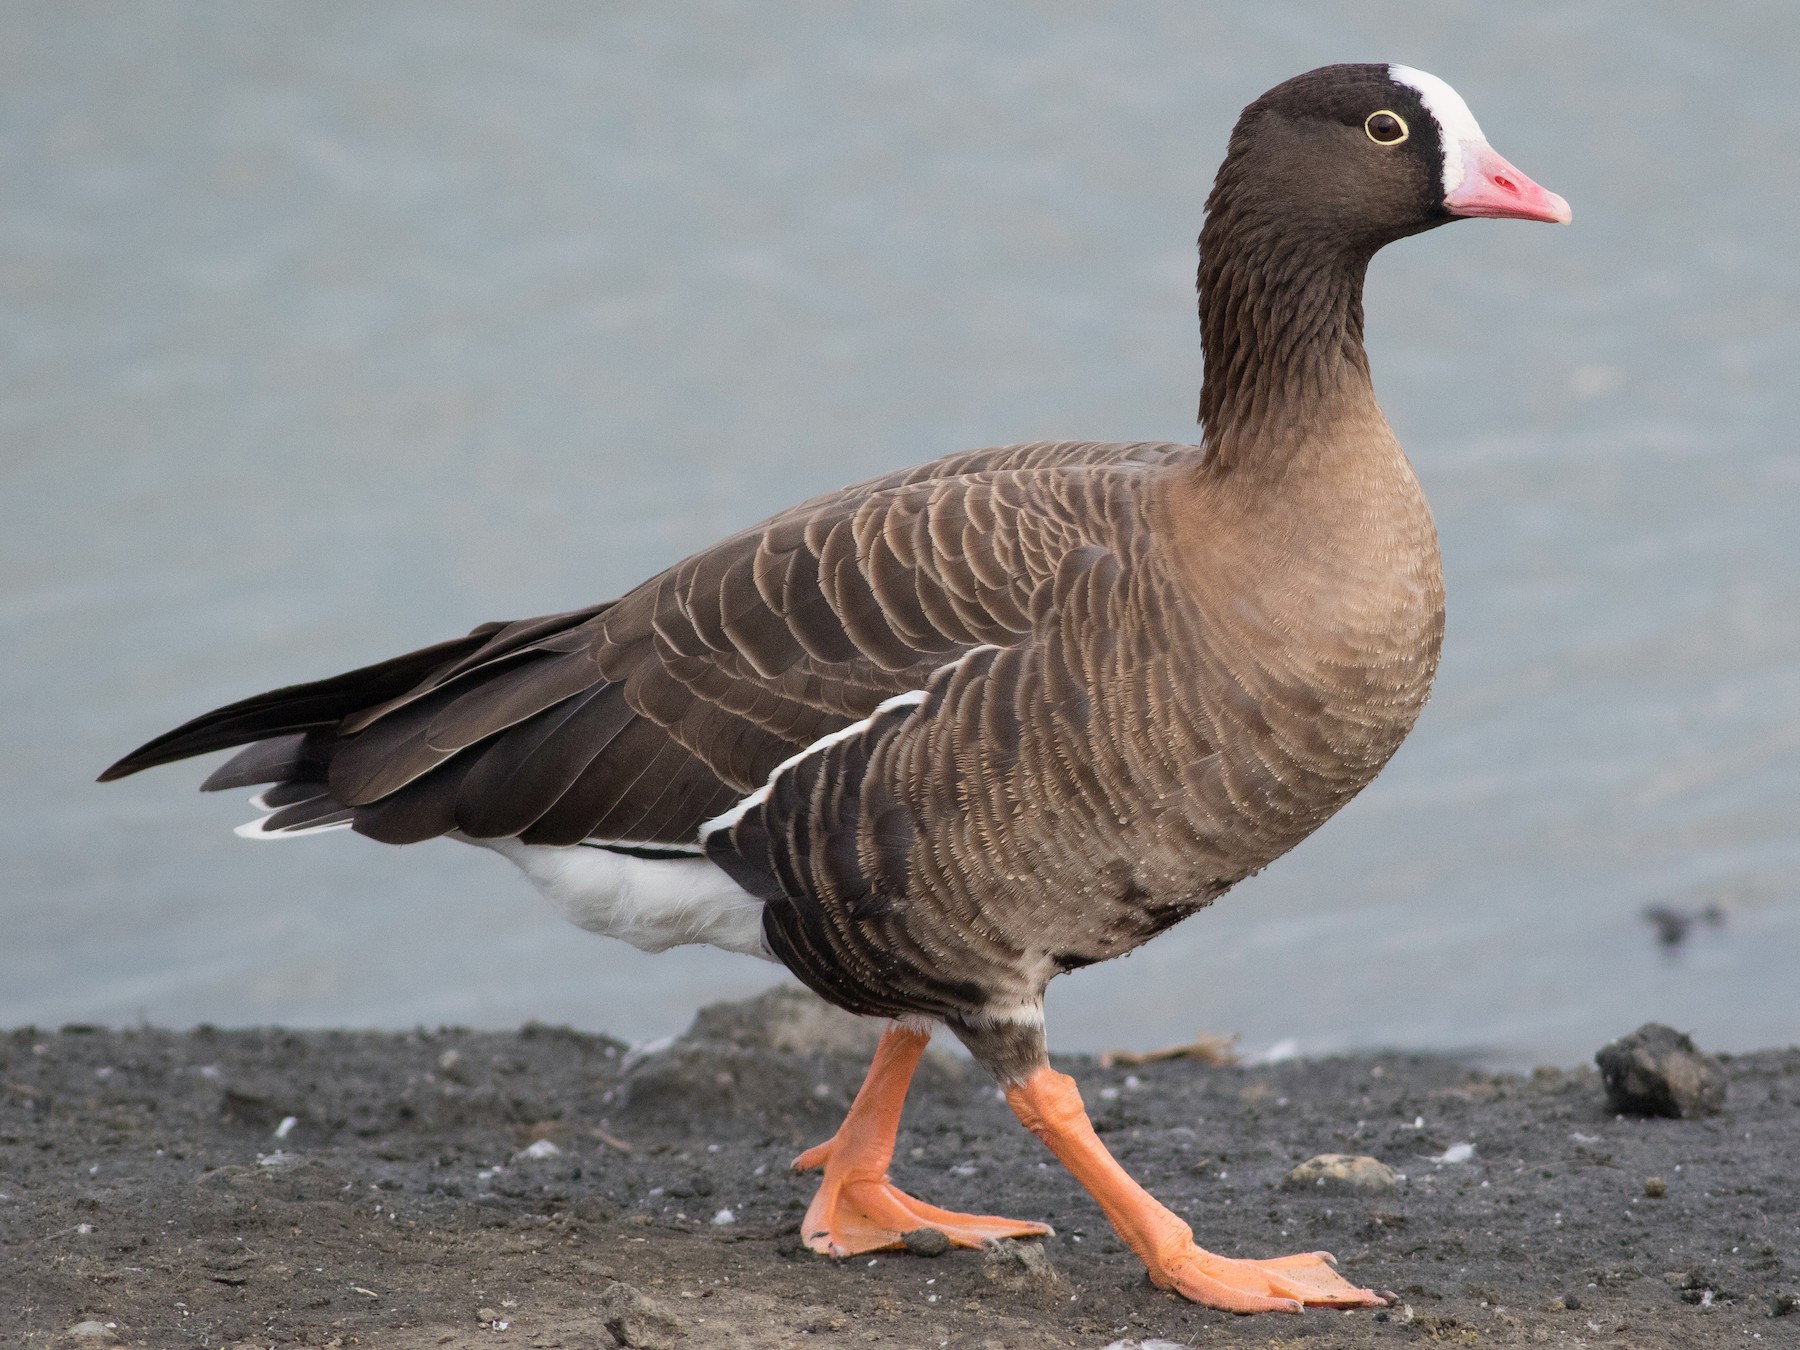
column 636, row 721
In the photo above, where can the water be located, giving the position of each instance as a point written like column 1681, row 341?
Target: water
column 332, row 330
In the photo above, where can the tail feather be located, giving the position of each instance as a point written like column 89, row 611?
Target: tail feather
column 297, row 708
column 346, row 703
column 291, row 793
column 385, row 719
column 297, row 757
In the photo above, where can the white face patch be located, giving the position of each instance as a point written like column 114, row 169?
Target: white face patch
column 1456, row 124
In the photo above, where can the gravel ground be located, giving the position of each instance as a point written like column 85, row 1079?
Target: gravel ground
column 456, row 1188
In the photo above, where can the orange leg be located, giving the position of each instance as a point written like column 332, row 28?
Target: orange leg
column 857, row 1209
column 1050, row 1107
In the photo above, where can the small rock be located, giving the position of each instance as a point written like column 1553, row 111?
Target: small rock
column 638, row 1321
column 451, row 1065
column 594, row 1209
column 1782, row 1304
column 1343, row 1172
column 247, row 1108
column 926, row 1242
column 92, row 1330
column 788, row 1019
column 542, row 1148
column 486, row 1315
column 1572, row 1303
column 1023, row 1267
column 1657, row 1071
column 1655, row 1187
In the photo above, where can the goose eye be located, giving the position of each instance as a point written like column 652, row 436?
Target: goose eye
column 1385, row 128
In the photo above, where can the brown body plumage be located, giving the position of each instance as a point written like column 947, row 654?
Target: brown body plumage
column 1140, row 691
column 965, row 727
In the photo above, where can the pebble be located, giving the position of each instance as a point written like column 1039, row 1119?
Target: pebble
column 926, row 1242
column 1655, row 1187
column 91, row 1330
column 1343, row 1172
column 638, row 1321
column 451, row 1065
column 1023, row 1266
column 1657, row 1071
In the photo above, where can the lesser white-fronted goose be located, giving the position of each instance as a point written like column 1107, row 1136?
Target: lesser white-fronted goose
column 935, row 738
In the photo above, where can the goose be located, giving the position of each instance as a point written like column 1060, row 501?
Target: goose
column 931, row 740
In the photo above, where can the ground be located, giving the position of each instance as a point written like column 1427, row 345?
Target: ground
column 146, row 1200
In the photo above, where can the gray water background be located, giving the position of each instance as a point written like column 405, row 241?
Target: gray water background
column 331, row 329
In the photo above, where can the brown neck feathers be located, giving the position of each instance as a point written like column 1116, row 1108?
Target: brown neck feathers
column 1281, row 326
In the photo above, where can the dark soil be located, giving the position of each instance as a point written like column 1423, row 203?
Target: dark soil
column 143, row 1193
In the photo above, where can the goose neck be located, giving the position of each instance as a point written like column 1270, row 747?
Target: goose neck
column 1281, row 325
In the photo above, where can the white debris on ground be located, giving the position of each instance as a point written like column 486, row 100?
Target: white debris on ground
column 643, row 1051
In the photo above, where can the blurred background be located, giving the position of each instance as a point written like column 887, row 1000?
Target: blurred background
column 328, row 330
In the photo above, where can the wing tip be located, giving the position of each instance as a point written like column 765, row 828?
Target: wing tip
column 144, row 757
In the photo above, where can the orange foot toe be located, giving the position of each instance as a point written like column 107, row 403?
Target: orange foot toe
column 1280, row 1284
column 859, row 1210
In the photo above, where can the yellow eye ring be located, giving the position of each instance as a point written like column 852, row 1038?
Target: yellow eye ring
column 1386, row 128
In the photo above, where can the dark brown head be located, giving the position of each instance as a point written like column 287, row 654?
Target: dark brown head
column 1366, row 154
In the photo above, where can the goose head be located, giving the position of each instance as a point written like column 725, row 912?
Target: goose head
column 1362, row 155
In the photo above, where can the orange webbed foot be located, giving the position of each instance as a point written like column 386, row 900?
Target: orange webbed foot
column 1279, row 1284
column 1049, row 1105
column 857, row 1209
